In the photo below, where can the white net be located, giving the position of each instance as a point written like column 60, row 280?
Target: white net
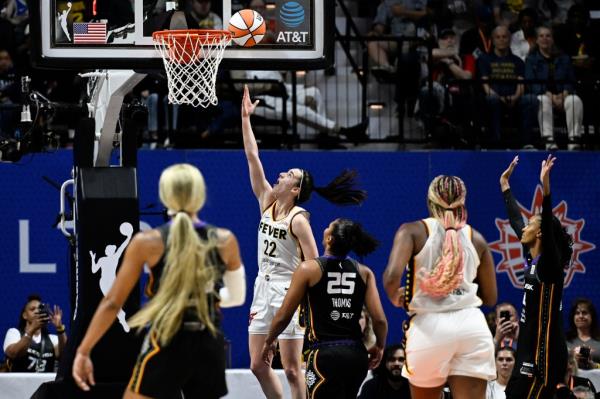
column 192, row 59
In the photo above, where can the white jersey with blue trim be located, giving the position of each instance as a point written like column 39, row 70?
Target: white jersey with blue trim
column 279, row 252
column 465, row 295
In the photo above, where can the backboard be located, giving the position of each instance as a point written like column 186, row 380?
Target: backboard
column 117, row 34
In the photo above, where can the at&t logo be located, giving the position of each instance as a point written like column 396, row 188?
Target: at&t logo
column 292, row 15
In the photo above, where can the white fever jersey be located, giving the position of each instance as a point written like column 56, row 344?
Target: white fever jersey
column 279, row 252
column 465, row 296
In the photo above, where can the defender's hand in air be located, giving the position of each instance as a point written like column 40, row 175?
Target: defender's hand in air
column 545, row 173
column 248, row 106
column 83, row 371
column 505, row 176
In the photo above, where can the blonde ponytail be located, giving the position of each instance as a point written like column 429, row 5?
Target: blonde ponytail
column 187, row 277
column 446, row 200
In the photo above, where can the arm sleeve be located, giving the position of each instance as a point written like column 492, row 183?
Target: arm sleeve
column 514, row 215
column 551, row 270
column 233, row 292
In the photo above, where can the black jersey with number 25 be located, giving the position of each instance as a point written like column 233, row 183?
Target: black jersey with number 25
column 333, row 305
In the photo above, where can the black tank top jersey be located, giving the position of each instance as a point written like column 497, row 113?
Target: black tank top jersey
column 333, row 306
column 39, row 358
column 214, row 260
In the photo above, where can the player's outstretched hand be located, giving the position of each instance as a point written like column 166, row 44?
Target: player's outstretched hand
column 248, row 106
column 83, row 371
column 505, row 176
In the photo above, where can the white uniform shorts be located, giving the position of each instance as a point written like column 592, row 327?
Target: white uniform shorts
column 439, row 345
column 268, row 297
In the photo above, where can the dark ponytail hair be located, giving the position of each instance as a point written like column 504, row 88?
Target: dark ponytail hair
column 350, row 236
column 564, row 241
column 341, row 191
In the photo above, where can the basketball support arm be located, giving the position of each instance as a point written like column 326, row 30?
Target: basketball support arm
column 105, row 106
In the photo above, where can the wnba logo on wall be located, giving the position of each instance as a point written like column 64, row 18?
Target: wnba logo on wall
column 509, row 245
column 292, row 15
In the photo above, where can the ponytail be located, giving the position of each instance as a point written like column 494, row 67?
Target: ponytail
column 183, row 283
column 446, row 200
column 342, row 190
column 187, row 278
column 350, row 236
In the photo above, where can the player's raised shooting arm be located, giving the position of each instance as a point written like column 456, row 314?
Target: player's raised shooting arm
column 260, row 186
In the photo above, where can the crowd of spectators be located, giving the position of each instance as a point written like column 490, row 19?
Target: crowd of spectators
column 583, row 341
column 506, row 60
column 457, row 63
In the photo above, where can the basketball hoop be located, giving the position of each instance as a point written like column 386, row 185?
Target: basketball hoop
column 191, row 59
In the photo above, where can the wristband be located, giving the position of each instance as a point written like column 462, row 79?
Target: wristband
column 27, row 335
column 60, row 329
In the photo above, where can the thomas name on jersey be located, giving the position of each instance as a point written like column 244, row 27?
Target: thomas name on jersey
column 272, row 231
column 341, row 302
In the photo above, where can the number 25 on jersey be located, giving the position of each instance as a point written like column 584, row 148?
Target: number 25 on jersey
column 340, row 283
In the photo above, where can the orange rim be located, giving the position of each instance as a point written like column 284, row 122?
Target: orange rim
column 203, row 35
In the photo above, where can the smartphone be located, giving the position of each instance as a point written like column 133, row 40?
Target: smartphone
column 505, row 315
column 584, row 351
column 44, row 310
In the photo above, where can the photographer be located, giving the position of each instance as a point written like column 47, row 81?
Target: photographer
column 507, row 326
column 30, row 348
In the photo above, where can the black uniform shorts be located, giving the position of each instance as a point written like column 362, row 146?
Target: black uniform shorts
column 192, row 363
column 336, row 371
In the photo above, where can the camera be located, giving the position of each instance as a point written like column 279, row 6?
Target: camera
column 584, row 351
column 505, row 315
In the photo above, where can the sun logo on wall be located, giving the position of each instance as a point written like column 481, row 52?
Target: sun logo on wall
column 511, row 250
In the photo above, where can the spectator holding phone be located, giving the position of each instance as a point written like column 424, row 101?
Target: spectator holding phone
column 30, row 347
column 507, row 326
column 583, row 335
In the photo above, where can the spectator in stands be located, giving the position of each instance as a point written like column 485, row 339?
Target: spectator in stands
column 507, row 326
column 448, row 66
column 572, row 379
column 29, row 347
column 398, row 18
column 387, row 381
column 200, row 10
column 477, row 40
column 505, row 362
column 310, row 109
column 501, row 97
column 507, row 12
column 584, row 332
column 9, row 94
column 547, row 63
column 523, row 39
column 394, row 17
column 578, row 39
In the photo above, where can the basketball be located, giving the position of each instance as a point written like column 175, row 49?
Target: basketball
column 247, row 28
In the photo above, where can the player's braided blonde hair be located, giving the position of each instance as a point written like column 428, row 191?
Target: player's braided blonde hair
column 446, row 203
